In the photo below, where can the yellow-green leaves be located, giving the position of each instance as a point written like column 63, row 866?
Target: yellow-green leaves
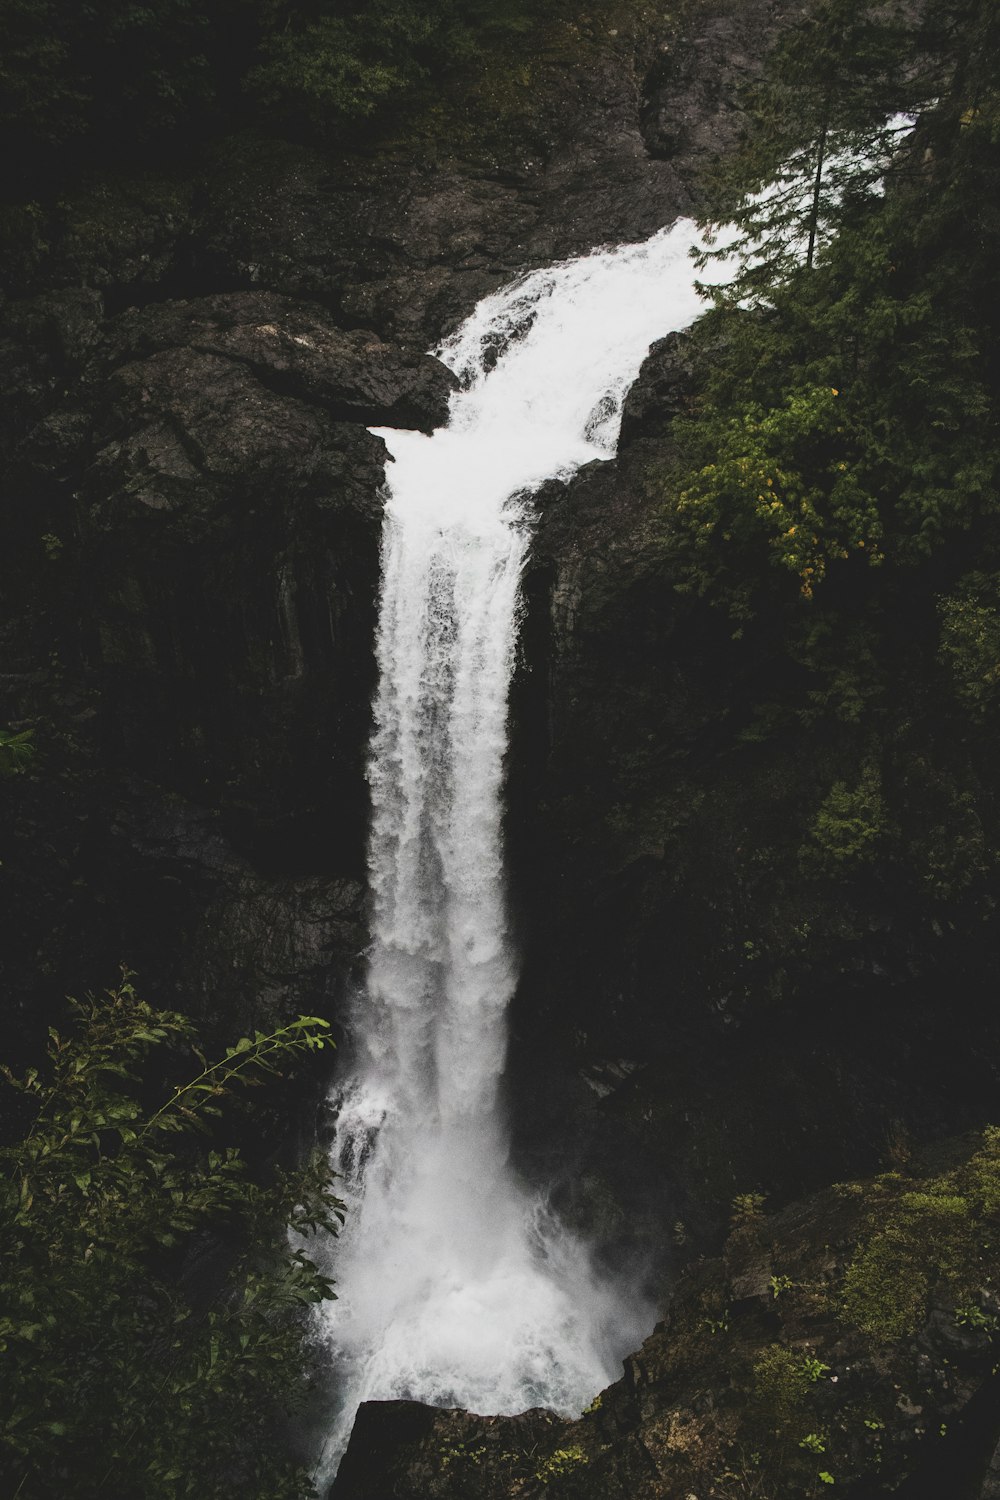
column 782, row 477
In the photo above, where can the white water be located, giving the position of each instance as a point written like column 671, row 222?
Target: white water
column 459, row 1286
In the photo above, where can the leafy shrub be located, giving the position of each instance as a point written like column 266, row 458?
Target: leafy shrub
column 150, row 1308
column 970, row 641
column 779, row 479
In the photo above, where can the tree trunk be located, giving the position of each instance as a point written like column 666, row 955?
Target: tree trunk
column 817, row 184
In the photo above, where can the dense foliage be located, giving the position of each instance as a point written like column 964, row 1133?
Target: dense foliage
column 16, row 751
column 832, row 498
column 150, row 1309
column 851, row 408
column 117, row 77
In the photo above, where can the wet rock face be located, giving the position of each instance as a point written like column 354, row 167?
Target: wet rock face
column 401, row 1449
column 227, row 524
column 441, row 232
column 662, row 392
column 295, row 349
column 255, row 946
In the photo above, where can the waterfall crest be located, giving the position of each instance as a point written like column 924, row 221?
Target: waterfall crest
column 459, row 1287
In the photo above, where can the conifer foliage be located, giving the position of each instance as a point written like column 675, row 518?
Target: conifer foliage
column 847, row 416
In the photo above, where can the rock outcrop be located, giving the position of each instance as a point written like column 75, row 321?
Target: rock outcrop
column 757, row 1382
column 198, row 521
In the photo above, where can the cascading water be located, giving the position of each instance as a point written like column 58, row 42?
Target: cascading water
column 459, row 1287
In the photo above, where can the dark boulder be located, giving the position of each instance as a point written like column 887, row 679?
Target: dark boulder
column 402, row 1450
column 661, row 393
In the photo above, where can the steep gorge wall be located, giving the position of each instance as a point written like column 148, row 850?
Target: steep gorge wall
column 190, row 584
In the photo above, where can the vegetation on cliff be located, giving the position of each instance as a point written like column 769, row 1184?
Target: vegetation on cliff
column 847, row 420
column 835, row 483
column 772, row 765
column 151, row 1328
column 837, row 479
column 832, row 494
column 773, row 780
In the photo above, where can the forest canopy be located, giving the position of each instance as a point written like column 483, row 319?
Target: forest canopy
column 122, row 75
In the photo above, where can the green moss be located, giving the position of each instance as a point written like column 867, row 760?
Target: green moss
column 936, row 1240
column 560, row 1463
column 781, row 1384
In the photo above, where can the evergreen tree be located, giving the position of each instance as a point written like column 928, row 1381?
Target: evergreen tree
column 848, row 410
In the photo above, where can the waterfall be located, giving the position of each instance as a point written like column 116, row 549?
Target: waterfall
column 458, row 1285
